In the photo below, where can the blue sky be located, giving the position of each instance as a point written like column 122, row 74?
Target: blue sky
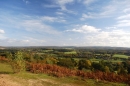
column 65, row 23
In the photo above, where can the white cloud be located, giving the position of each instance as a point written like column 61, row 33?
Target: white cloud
column 126, row 10
column 105, row 12
column 33, row 41
column 2, row 37
column 60, row 13
column 123, row 23
column 91, row 36
column 28, row 41
column 113, row 8
column 109, row 28
column 49, row 6
column 127, row 16
column 47, row 18
column 85, row 16
column 109, row 38
column 2, row 34
column 85, row 29
column 108, row 10
column 39, row 26
column 53, row 19
column 2, row 31
column 88, row 2
column 62, row 4
column 123, row 20
column 26, row 1
column 32, row 26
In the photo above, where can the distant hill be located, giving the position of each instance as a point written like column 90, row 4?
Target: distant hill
column 2, row 47
column 68, row 47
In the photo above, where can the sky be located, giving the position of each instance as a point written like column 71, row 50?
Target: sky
column 65, row 23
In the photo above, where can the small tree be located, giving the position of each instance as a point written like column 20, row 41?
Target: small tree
column 84, row 64
column 98, row 66
column 18, row 63
column 106, row 69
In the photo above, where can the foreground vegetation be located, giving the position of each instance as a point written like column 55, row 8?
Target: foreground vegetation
column 31, row 79
column 83, row 64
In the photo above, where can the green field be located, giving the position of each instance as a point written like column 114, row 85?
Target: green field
column 72, row 52
column 97, row 60
column 121, row 56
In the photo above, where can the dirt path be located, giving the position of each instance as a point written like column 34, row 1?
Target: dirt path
column 7, row 80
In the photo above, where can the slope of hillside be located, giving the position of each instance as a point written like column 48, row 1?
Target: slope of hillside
column 7, row 78
column 29, row 79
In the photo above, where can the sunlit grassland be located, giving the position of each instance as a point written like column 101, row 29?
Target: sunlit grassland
column 65, row 81
column 71, row 52
column 121, row 56
column 98, row 60
column 5, row 68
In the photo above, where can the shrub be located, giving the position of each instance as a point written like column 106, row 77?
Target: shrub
column 67, row 62
column 18, row 63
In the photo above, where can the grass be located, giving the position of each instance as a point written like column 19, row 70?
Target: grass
column 65, row 81
column 5, row 68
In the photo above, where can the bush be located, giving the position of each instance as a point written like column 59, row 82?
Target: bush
column 67, row 62
column 18, row 63
column 84, row 64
